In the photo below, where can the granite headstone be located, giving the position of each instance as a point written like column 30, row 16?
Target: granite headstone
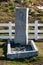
column 21, row 26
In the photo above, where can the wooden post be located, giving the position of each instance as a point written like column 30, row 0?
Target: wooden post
column 10, row 30
column 36, row 29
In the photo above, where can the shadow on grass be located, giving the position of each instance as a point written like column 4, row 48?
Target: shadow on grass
column 26, row 60
column 2, row 58
column 4, row 47
column 1, row 46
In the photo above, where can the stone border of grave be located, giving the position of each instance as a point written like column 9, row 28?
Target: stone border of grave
column 22, row 54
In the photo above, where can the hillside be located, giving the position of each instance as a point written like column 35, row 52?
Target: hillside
column 7, row 10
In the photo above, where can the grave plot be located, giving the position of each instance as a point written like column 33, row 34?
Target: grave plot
column 21, row 47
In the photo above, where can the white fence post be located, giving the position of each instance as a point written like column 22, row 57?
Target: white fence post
column 36, row 30
column 10, row 30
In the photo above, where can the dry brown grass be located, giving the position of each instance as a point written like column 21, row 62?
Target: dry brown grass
column 6, row 12
column 40, row 48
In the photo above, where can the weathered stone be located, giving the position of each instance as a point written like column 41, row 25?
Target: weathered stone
column 21, row 25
